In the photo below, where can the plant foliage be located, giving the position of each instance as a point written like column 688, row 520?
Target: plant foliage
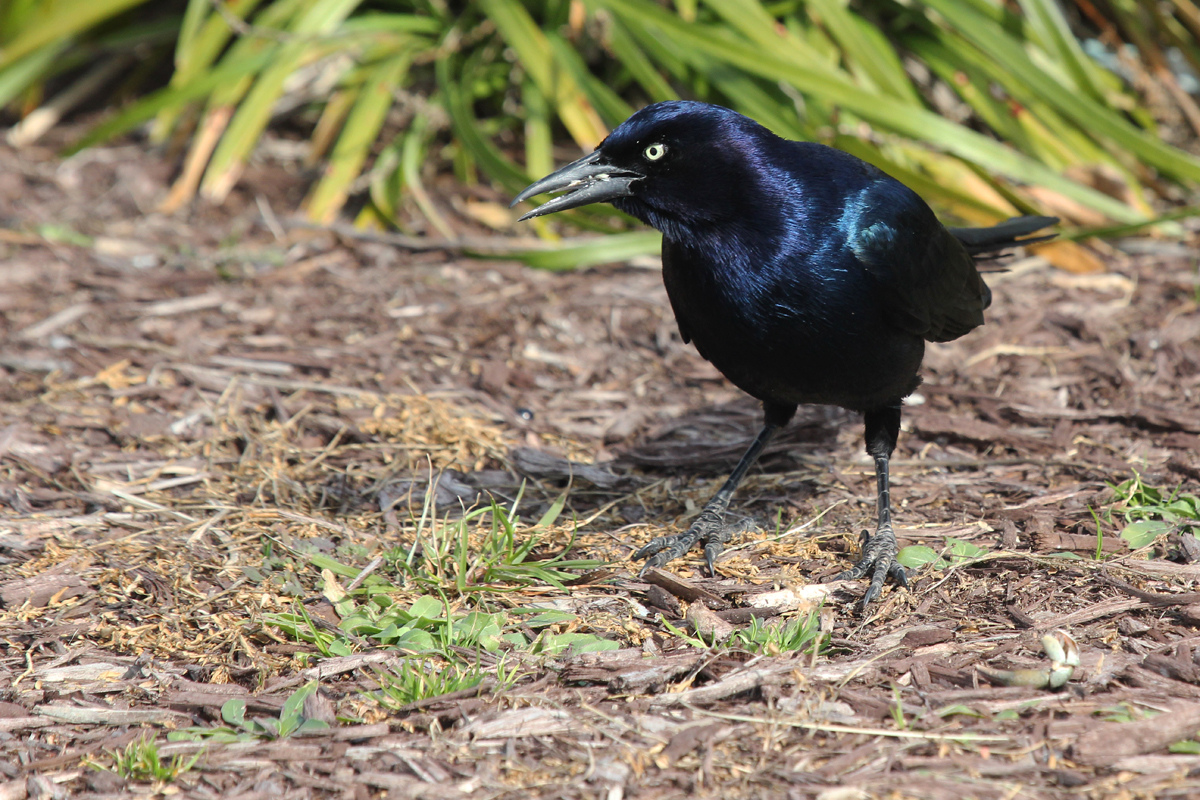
column 987, row 108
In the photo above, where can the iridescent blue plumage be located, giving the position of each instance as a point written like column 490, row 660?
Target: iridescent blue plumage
column 803, row 273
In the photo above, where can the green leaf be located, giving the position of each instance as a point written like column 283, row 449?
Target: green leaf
column 145, row 109
column 533, row 49
column 254, row 111
column 958, row 710
column 918, row 555
column 868, row 50
column 594, row 645
column 1184, row 507
column 65, row 234
column 312, row 725
column 234, row 712
column 1083, row 110
column 265, row 726
column 1140, row 534
column 539, row 136
column 467, row 127
column 552, row 512
column 1046, row 18
column 21, row 74
column 358, row 136
column 807, row 74
column 293, row 707
column 426, row 607
column 415, row 640
column 58, row 22
column 639, row 64
column 577, row 643
column 551, row 617
column 587, row 252
column 960, row 550
column 322, row 561
column 608, row 104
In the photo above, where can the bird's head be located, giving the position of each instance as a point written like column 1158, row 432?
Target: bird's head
column 677, row 164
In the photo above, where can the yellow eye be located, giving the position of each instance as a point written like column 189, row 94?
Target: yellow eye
column 654, row 152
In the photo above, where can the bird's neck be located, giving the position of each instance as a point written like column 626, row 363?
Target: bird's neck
column 729, row 232
column 743, row 247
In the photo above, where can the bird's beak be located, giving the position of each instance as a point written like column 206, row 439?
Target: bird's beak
column 589, row 180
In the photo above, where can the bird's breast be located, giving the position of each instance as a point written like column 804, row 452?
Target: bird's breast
column 792, row 333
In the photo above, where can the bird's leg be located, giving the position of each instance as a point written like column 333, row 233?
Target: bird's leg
column 879, row 551
column 709, row 528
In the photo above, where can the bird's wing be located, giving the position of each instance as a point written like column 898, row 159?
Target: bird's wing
column 933, row 288
column 672, row 261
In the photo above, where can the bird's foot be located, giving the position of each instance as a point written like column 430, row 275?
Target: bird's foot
column 709, row 529
column 878, row 559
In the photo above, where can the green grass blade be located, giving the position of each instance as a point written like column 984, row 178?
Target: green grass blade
column 146, row 108
column 532, row 46
column 539, row 138
column 919, row 124
column 201, row 40
column 1082, row 110
column 20, row 75
column 378, row 23
column 608, row 104
column 551, row 515
column 358, row 136
column 1046, row 18
column 413, row 154
column 965, row 204
column 332, row 120
column 61, row 21
column 973, row 85
column 575, row 254
column 751, row 19
column 254, row 112
column 867, row 50
column 626, row 50
column 466, row 128
column 751, row 98
column 193, row 17
column 916, row 123
column 277, row 16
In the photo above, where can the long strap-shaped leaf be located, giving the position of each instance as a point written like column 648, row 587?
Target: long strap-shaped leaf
column 1047, row 19
column 1084, row 111
column 358, row 136
column 879, row 63
column 894, row 115
column 251, row 118
column 59, row 21
column 523, row 35
column 203, row 35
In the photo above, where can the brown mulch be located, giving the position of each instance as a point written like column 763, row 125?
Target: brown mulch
column 189, row 403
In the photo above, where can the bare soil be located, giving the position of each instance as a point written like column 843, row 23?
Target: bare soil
column 182, row 397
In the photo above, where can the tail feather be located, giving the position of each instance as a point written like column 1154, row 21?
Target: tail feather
column 982, row 241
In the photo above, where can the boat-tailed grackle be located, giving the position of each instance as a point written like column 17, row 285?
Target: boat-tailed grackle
column 804, row 274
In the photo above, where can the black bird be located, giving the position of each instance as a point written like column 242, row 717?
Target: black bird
column 803, row 274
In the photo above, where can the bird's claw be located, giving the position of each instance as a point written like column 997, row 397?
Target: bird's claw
column 878, row 559
column 709, row 528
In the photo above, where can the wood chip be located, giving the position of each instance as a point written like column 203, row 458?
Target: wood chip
column 686, row 590
column 706, row 624
column 522, row 722
column 1111, row 741
column 745, row 681
column 78, row 715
